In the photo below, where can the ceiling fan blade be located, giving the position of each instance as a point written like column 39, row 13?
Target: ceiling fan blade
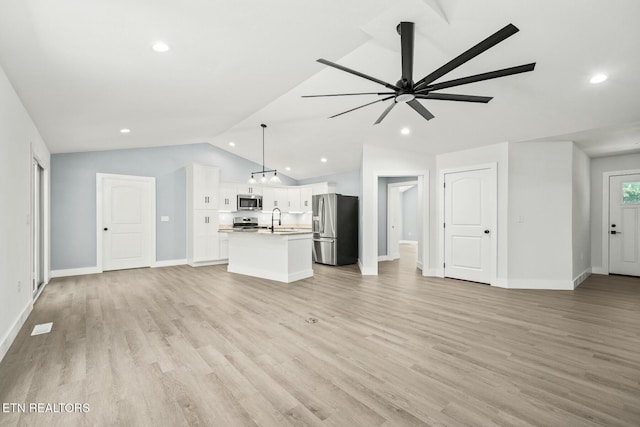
column 357, row 73
column 362, row 106
column 385, row 112
column 480, row 77
column 476, row 50
column 349, row 94
column 407, row 37
column 420, row 109
column 454, row 97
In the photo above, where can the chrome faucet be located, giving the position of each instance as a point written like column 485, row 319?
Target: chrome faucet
column 279, row 217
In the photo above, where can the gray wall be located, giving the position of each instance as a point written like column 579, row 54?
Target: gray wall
column 347, row 183
column 382, row 208
column 73, row 195
column 410, row 214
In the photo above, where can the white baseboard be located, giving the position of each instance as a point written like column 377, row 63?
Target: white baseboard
column 169, row 263
column 599, row 270
column 360, row 266
column 419, row 264
column 6, row 342
column 384, row 258
column 581, row 277
column 552, row 285
column 75, row 272
column 430, row 272
column 500, row 282
column 409, row 242
column 44, row 285
column 205, row 263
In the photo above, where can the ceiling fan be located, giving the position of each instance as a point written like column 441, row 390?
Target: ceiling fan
column 409, row 92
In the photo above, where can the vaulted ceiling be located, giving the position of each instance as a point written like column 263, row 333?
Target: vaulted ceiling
column 84, row 70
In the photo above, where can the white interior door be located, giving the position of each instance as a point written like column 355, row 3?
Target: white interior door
column 469, row 215
column 624, row 224
column 127, row 218
column 394, row 222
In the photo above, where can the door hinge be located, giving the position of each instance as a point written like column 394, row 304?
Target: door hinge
column 444, row 225
column 444, row 265
column 444, row 185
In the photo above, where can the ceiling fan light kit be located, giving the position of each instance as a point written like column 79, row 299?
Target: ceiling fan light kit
column 275, row 179
column 408, row 92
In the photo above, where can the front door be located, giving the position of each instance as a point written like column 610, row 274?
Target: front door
column 127, row 223
column 624, row 224
column 469, row 215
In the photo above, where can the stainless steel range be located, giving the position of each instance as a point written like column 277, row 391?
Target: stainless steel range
column 246, row 223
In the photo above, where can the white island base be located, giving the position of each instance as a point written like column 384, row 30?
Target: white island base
column 282, row 256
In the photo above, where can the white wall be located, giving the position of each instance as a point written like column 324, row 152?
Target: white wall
column 497, row 153
column 18, row 135
column 581, row 213
column 598, row 167
column 540, row 215
column 377, row 162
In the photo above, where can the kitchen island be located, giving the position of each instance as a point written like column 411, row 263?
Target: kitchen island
column 284, row 255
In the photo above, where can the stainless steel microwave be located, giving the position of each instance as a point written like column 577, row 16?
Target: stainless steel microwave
column 249, row 202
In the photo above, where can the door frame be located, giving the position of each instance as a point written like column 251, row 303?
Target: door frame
column 99, row 192
column 46, row 215
column 389, row 186
column 606, row 176
column 493, row 167
column 424, row 219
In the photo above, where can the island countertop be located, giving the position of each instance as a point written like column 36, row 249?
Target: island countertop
column 266, row 232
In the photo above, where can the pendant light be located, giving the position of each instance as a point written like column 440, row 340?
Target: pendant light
column 275, row 179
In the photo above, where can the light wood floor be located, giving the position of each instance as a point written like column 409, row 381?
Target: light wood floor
column 183, row 346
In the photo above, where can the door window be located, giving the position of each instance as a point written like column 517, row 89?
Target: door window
column 631, row 193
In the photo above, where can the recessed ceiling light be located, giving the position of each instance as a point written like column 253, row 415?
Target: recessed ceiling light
column 405, row 131
column 160, row 47
column 288, row 168
column 598, row 78
column 232, row 144
column 323, row 160
column 125, row 130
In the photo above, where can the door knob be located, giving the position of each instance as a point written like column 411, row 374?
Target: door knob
column 486, row 231
column 615, row 232
column 105, row 229
column 613, row 225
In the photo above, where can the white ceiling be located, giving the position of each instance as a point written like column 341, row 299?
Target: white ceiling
column 85, row 69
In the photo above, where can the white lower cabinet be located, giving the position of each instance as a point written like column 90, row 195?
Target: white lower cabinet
column 204, row 245
column 224, row 246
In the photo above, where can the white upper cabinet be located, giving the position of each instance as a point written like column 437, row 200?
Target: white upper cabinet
column 323, row 188
column 293, row 200
column 287, row 198
column 203, row 182
column 249, row 189
column 306, row 195
column 274, row 197
column 228, row 197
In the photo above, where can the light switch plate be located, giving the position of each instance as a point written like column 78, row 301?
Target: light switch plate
column 164, row 218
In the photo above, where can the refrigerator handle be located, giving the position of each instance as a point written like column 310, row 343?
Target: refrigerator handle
column 322, row 215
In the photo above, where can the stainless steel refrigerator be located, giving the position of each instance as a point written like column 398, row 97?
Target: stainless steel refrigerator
column 335, row 229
